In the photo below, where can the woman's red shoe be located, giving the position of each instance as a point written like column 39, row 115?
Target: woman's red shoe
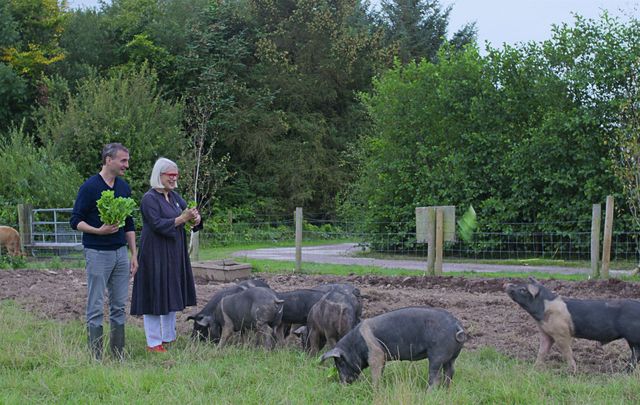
column 157, row 349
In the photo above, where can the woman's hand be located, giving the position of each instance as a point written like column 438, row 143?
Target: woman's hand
column 187, row 215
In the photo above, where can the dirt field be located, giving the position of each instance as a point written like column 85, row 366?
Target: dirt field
column 487, row 313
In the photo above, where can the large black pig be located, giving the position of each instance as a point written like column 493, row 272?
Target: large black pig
column 345, row 288
column 297, row 304
column 412, row 333
column 329, row 320
column 559, row 319
column 202, row 320
column 256, row 309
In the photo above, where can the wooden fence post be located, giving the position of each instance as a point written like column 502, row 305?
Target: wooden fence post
column 439, row 241
column 606, row 243
column 431, row 240
column 298, row 222
column 25, row 216
column 596, row 219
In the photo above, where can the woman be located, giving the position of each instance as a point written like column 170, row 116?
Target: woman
column 164, row 281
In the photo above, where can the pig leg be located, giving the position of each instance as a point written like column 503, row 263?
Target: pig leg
column 376, row 358
column 266, row 336
column 377, row 368
column 448, row 372
column 227, row 328
column 314, row 341
column 546, row 342
column 564, row 344
column 376, row 361
column 331, row 342
column 227, row 331
column 434, row 373
column 635, row 355
column 280, row 333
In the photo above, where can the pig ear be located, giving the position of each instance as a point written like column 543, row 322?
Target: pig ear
column 298, row 332
column 335, row 352
column 204, row 320
column 533, row 289
column 533, row 280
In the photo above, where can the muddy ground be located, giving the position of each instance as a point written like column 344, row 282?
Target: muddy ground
column 489, row 316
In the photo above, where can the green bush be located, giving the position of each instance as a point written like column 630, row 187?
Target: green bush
column 125, row 108
column 12, row 262
column 525, row 134
column 33, row 175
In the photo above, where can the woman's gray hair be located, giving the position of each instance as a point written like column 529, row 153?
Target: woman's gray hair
column 161, row 166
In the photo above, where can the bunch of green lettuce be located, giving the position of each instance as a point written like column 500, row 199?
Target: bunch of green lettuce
column 192, row 222
column 114, row 210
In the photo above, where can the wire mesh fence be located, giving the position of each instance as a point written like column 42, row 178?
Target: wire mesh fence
column 518, row 241
column 513, row 241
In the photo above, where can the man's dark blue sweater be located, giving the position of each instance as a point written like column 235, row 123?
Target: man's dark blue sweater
column 85, row 209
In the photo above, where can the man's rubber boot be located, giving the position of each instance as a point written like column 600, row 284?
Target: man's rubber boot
column 95, row 341
column 116, row 342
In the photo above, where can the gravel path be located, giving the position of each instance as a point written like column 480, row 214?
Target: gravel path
column 345, row 253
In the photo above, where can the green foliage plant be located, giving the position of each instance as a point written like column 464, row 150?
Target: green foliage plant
column 34, row 174
column 114, row 210
column 125, row 107
column 525, row 134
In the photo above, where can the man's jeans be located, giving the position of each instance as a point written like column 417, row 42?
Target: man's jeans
column 107, row 269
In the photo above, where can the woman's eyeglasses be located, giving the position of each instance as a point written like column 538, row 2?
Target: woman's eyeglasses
column 173, row 175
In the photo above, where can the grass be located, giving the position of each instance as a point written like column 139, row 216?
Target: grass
column 44, row 361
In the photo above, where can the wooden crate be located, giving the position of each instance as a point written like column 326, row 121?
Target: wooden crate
column 221, row 270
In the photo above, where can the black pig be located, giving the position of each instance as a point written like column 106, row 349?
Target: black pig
column 202, row 320
column 253, row 282
column 256, row 309
column 412, row 333
column 559, row 320
column 344, row 288
column 329, row 320
column 297, row 305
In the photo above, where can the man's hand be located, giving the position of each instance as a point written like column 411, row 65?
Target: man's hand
column 107, row 229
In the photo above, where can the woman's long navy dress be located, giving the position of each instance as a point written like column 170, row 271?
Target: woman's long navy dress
column 164, row 280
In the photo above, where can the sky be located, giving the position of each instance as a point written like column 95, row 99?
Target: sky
column 511, row 21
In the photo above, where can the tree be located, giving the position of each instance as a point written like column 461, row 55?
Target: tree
column 207, row 174
column 627, row 153
column 8, row 26
column 38, row 24
column 29, row 44
column 312, row 58
column 126, row 108
column 525, row 134
column 34, row 175
column 153, row 32
column 13, row 96
column 88, row 46
column 418, row 28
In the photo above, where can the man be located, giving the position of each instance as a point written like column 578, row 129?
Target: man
column 107, row 262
